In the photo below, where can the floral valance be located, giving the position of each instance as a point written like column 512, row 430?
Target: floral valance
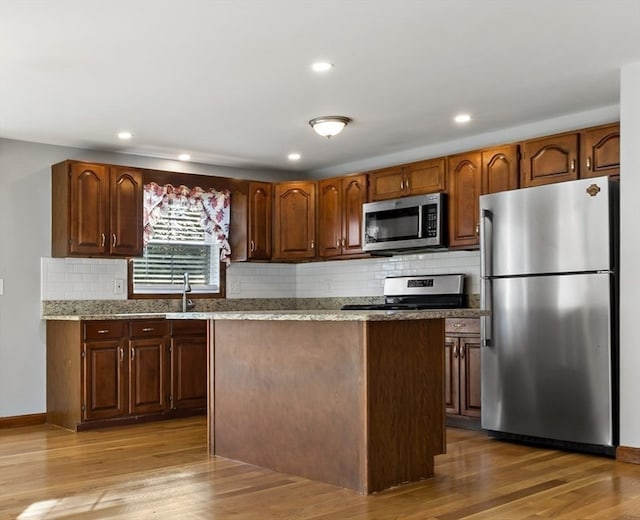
column 214, row 207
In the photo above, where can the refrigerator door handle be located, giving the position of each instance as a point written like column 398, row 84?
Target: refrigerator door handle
column 486, row 322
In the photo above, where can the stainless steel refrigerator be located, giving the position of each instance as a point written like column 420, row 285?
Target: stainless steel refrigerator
column 549, row 346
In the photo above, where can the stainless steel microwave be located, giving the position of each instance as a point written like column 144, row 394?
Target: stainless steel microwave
column 417, row 222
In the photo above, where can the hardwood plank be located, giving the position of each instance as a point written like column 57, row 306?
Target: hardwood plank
column 163, row 471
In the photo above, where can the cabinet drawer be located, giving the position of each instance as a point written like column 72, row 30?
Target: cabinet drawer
column 189, row 327
column 148, row 328
column 462, row 326
column 104, row 329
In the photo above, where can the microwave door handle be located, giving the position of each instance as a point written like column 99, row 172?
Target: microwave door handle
column 486, row 268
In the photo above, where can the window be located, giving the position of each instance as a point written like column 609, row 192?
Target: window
column 186, row 230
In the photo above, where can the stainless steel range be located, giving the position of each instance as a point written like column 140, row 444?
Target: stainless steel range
column 439, row 291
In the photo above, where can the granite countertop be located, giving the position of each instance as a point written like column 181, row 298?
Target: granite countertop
column 106, row 316
column 282, row 315
column 329, row 315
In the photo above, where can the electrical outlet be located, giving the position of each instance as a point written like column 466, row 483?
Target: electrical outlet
column 234, row 287
column 118, row 286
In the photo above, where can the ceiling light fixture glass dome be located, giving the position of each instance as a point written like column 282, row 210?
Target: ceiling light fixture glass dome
column 328, row 126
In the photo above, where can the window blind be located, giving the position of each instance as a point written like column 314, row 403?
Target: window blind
column 178, row 244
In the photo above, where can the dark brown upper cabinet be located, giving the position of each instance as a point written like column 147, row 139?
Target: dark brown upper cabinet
column 96, row 210
column 417, row 178
column 550, row 159
column 600, row 151
column 340, row 215
column 295, row 221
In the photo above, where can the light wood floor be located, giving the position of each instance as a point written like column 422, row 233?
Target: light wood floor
column 162, row 471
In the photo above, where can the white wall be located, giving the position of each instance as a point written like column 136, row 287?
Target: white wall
column 629, row 255
column 25, row 228
column 25, row 238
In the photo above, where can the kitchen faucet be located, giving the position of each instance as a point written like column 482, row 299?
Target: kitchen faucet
column 186, row 288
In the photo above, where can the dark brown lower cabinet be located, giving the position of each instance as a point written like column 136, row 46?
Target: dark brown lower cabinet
column 188, row 356
column 462, row 369
column 108, row 372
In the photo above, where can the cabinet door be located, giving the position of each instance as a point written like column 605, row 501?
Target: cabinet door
column 188, row 372
column 387, row 183
column 88, row 209
column 600, row 151
column 469, row 358
column 104, row 380
column 500, row 169
column 354, row 195
column 259, row 232
column 125, row 213
column 148, row 389
column 549, row 160
column 451, row 373
column 425, row 176
column 464, row 187
column 330, row 218
column 295, row 208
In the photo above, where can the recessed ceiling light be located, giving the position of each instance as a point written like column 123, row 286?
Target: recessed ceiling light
column 184, row 157
column 125, row 135
column 322, row 66
column 462, row 118
column 294, row 156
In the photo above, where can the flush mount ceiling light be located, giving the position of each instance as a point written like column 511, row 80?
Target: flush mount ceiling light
column 184, row 157
column 328, row 126
column 125, row 135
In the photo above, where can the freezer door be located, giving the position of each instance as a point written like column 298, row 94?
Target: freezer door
column 548, row 372
column 563, row 227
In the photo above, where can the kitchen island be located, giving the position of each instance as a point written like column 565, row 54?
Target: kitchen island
column 352, row 398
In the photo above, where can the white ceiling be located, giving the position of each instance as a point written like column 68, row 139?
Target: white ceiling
column 230, row 81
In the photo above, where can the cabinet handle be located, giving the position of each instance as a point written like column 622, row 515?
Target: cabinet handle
column 104, row 240
column 457, row 325
column 455, row 351
column 589, row 163
column 252, row 246
column 344, row 242
column 406, row 184
column 147, row 329
column 573, row 165
column 103, row 331
column 401, row 185
column 115, row 240
column 478, row 229
column 313, row 244
column 338, row 243
column 133, row 354
column 462, row 349
column 121, row 354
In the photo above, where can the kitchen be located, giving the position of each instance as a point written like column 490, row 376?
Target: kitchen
column 26, row 169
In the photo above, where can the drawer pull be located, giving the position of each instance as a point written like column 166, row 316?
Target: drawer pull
column 148, row 329
column 103, row 331
column 457, row 325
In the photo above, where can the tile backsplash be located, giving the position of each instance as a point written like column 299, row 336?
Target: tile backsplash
column 83, row 279
column 97, row 279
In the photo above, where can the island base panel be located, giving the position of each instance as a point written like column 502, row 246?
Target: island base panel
column 350, row 403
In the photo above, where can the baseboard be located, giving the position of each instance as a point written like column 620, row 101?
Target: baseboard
column 628, row 454
column 23, row 420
